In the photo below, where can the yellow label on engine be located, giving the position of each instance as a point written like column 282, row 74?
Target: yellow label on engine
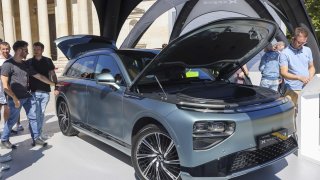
column 191, row 74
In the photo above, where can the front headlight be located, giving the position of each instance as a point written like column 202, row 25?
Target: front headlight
column 207, row 134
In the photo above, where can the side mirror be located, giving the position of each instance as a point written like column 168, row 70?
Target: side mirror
column 107, row 79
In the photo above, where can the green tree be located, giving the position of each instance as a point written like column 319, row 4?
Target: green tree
column 313, row 8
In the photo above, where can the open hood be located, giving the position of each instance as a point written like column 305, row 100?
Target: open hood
column 223, row 46
column 112, row 15
column 72, row 46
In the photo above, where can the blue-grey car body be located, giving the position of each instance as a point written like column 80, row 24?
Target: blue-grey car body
column 115, row 115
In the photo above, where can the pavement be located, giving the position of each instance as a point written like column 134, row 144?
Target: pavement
column 82, row 157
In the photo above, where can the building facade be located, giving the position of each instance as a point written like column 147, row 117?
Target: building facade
column 47, row 20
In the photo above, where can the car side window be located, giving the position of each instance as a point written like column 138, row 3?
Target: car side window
column 83, row 68
column 107, row 64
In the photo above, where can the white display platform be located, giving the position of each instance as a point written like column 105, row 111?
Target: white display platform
column 308, row 126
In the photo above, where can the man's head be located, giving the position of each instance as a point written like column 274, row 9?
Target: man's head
column 5, row 49
column 300, row 37
column 20, row 49
column 38, row 48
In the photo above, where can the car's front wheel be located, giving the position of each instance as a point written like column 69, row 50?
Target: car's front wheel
column 154, row 155
column 64, row 120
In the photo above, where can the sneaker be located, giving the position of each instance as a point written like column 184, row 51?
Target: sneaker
column 14, row 132
column 45, row 137
column 4, row 167
column 40, row 142
column 8, row 145
column 5, row 158
column 20, row 128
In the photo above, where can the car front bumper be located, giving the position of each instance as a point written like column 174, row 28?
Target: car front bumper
column 242, row 162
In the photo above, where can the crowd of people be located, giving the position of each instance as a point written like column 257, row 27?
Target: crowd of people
column 24, row 83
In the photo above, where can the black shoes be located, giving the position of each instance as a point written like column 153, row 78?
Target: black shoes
column 40, row 142
column 14, row 132
column 8, row 145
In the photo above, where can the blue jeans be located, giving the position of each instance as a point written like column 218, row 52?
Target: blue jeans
column 272, row 84
column 13, row 118
column 40, row 101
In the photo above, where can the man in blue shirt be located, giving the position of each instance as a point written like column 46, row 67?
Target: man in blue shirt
column 296, row 64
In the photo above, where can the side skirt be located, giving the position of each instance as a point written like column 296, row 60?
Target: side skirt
column 103, row 137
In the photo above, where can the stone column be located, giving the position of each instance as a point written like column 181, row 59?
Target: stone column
column 95, row 21
column 43, row 23
column 61, row 22
column 75, row 21
column 8, row 22
column 25, row 24
column 83, row 13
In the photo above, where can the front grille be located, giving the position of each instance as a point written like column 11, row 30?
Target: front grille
column 247, row 159
column 243, row 160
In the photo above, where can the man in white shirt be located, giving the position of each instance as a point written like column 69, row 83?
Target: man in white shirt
column 4, row 55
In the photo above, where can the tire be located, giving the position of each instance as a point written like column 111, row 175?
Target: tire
column 64, row 120
column 154, row 155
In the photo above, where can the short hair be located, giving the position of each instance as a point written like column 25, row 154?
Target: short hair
column 269, row 47
column 281, row 43
column 39, row 44
column 19, row 44
column 4, row 43
column 301, row 30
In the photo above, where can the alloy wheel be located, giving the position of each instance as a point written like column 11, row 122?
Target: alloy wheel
column 64, row 117
column 157, row 157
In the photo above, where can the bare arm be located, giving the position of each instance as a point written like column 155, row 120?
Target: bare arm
column 312, row 70
column 285, row 74
column 8, row 90
column 246, row 71
column 53, row 76
column 44, row 79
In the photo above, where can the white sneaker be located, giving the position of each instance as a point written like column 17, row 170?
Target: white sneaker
column 5, row 158
column 45, row 136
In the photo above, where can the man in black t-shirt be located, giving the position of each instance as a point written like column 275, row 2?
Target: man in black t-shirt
column 39, row 89
column 15, row 79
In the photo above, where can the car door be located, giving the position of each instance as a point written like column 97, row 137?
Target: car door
column 104, row 101
column 80, row 73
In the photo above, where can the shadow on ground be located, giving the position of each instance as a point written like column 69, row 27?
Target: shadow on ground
column 106, row 148
column 26, row 155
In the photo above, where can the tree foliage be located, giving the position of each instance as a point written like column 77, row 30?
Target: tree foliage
column 313, row 8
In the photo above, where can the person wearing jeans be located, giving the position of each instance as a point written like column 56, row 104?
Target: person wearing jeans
column 14, row 115
column 39, row 103
column 15, row 74
column 40, row 90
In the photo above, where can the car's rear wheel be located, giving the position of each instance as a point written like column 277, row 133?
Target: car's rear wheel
column 154, row 155
column 64, row 120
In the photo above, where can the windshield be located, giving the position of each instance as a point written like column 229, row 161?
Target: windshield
column 136, row 61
